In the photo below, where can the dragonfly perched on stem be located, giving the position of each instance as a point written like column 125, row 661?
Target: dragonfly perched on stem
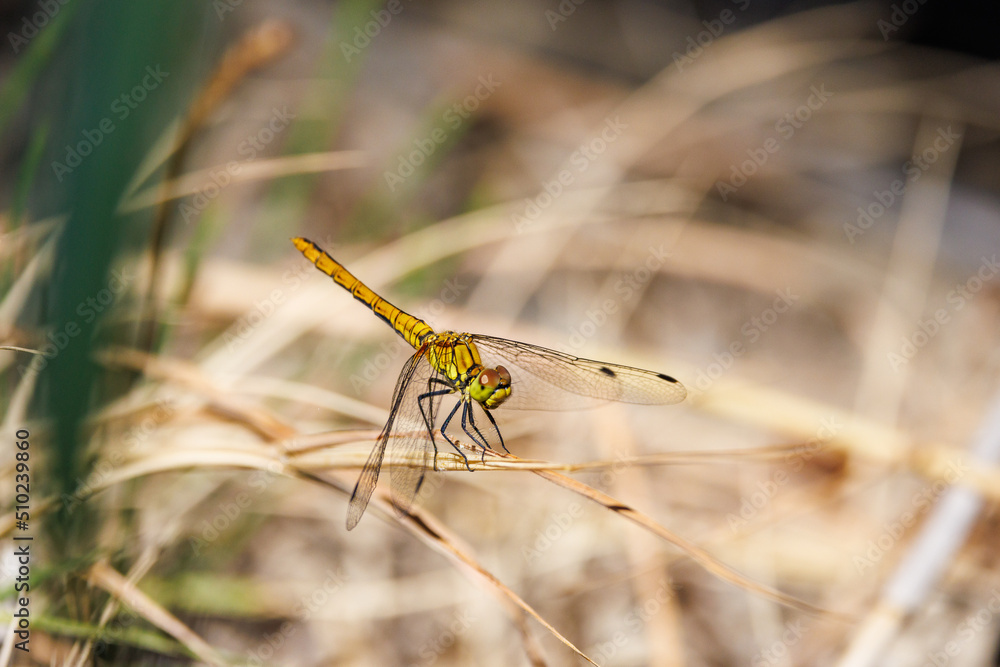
column 474, row 369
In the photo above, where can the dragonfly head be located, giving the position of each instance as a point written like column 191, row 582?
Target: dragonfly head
column 491, row 387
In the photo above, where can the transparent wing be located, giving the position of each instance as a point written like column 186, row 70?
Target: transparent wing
column 412, row 436
column 544, row 379
column 407, row 434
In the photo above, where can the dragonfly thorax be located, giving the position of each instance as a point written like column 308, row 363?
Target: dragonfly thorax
column 456, row 356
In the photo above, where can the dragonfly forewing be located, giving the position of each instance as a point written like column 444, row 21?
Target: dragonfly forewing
column 544, row 379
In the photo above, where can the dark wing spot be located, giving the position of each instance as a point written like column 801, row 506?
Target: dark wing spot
column 607, row 371
column 664, row 376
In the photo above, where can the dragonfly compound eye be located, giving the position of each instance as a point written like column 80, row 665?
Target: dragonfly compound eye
column 490, row 379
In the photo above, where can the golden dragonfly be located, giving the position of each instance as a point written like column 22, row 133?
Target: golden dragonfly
column 473, row 368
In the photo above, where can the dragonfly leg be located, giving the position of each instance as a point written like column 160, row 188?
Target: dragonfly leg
column 429, row 414
column 426, row 411
column 444, row 435
column 482, row 441
column 497, row 429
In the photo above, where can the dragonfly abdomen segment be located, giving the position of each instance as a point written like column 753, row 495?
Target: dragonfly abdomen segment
column 412, row 329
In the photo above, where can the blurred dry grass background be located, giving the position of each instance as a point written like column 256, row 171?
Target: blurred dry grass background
column 606, row 187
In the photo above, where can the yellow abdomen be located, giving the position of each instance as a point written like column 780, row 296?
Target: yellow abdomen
column 412, row 329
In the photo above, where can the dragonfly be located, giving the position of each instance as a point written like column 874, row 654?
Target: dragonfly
column 483, row 373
